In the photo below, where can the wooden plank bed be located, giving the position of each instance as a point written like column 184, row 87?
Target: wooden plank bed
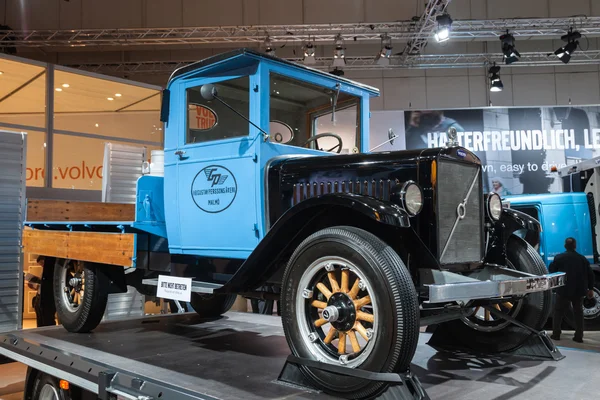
column 100, row 247
column 78, row 211
column 103, row 248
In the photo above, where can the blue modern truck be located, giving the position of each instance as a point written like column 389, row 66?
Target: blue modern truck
column 269, row 182
column 571, row 213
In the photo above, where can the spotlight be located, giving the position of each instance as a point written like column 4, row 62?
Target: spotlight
column 339, row 53
column 495, row 81
column 565, row 52
column 309, row 54
column 444, row 22
column 269, row 49
column 511, row 54
column 383, row 57
column 337, row 72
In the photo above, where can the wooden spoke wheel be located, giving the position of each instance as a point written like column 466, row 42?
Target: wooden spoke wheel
column 481, row 332
column 348, row 300
column 80, row 294
column 73, row 284
column 483, row 320
column 340, row 308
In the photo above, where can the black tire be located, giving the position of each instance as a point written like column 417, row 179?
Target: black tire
column 534, row 312
column 592, row 322
column 396, row 330
column 90, row 310
column 211, row 306
column 265, row 307
column 46, row 387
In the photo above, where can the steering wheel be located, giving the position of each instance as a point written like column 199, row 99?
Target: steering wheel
column 338, row 146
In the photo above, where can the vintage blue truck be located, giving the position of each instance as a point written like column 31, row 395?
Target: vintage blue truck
column 268, row 182
column 572, row 213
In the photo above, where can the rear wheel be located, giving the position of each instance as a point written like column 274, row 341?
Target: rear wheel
column 348, row 299
column 591, row 309
column 80, row 295
column 211, row 305
column 481, row 332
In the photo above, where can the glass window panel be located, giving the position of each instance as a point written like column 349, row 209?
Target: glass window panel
column 306, row 110
column 78, row 162
column 211, row 120
column 104, row 107
column 137, row 125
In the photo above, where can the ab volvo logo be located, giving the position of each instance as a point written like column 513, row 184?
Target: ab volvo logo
column 214, row 188
column 461, row 153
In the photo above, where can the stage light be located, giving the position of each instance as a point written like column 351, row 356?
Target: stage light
column 269, row 49
column 339, row 53
column 383, row 57
column 309, row 54
column 495, row 81
column 509, row 50
column 337, row 72
column 565, row 52
column 444, row 25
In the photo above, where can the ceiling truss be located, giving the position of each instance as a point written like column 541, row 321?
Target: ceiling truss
column 362, row 62
column 415, row 31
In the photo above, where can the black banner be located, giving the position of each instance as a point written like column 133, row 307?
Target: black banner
column 517, row 146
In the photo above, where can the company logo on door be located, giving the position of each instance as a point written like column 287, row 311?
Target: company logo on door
column 214, row 188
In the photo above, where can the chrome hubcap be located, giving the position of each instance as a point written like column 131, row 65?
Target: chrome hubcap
column 591, row 307
column 73, row 284
column 337, row 312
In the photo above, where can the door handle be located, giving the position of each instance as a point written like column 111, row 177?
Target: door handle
column 181, row 154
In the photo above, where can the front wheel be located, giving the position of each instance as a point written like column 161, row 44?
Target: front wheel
column 482, row 332
column 80, row 295
column 347, row 299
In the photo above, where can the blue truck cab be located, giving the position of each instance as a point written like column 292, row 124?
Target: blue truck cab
column 561, row 215
column 269, row 189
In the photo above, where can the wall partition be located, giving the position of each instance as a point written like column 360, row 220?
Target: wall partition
column 69, row 115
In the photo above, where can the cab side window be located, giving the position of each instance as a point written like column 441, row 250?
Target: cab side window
column 300, row 110
column 209, row 120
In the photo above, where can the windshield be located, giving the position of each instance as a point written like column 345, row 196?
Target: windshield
column 300, row 110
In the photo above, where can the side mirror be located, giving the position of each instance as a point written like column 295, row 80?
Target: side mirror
column 208, row 92
column 164, row 106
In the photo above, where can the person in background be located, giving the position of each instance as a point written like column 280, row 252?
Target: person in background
column 45, row 310
column 498, row 187
column 33, row 283
column 579, row 282
column 421, row 123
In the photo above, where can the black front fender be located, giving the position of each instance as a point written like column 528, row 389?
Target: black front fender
column 299, row 222
column 380, row 211
column 514, row 220
column 510, row 222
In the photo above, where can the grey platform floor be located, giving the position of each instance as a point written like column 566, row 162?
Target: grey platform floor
column 444, row 375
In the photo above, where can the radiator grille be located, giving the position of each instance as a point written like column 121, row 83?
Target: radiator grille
column 466, row 242
column 380, row 189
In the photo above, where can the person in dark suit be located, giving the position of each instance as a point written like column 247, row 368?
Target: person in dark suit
column 579, row 282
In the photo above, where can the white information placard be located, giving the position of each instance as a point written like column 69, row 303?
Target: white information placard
column 174, row 288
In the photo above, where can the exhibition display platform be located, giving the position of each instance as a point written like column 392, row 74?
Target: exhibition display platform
column 242, row 355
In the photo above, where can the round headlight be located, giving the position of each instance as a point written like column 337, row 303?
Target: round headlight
column 494, row 206
column 412, row 198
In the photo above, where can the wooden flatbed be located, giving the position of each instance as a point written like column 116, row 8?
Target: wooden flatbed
column 85, row 231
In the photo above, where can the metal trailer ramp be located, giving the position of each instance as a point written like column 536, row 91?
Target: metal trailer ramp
column 240, row 356
column 177, row 356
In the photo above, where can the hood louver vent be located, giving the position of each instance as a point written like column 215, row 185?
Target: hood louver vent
column 380, row 189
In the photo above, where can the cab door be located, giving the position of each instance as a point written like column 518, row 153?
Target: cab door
column 216, row 172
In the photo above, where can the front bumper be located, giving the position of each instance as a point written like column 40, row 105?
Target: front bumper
column 491, row 282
